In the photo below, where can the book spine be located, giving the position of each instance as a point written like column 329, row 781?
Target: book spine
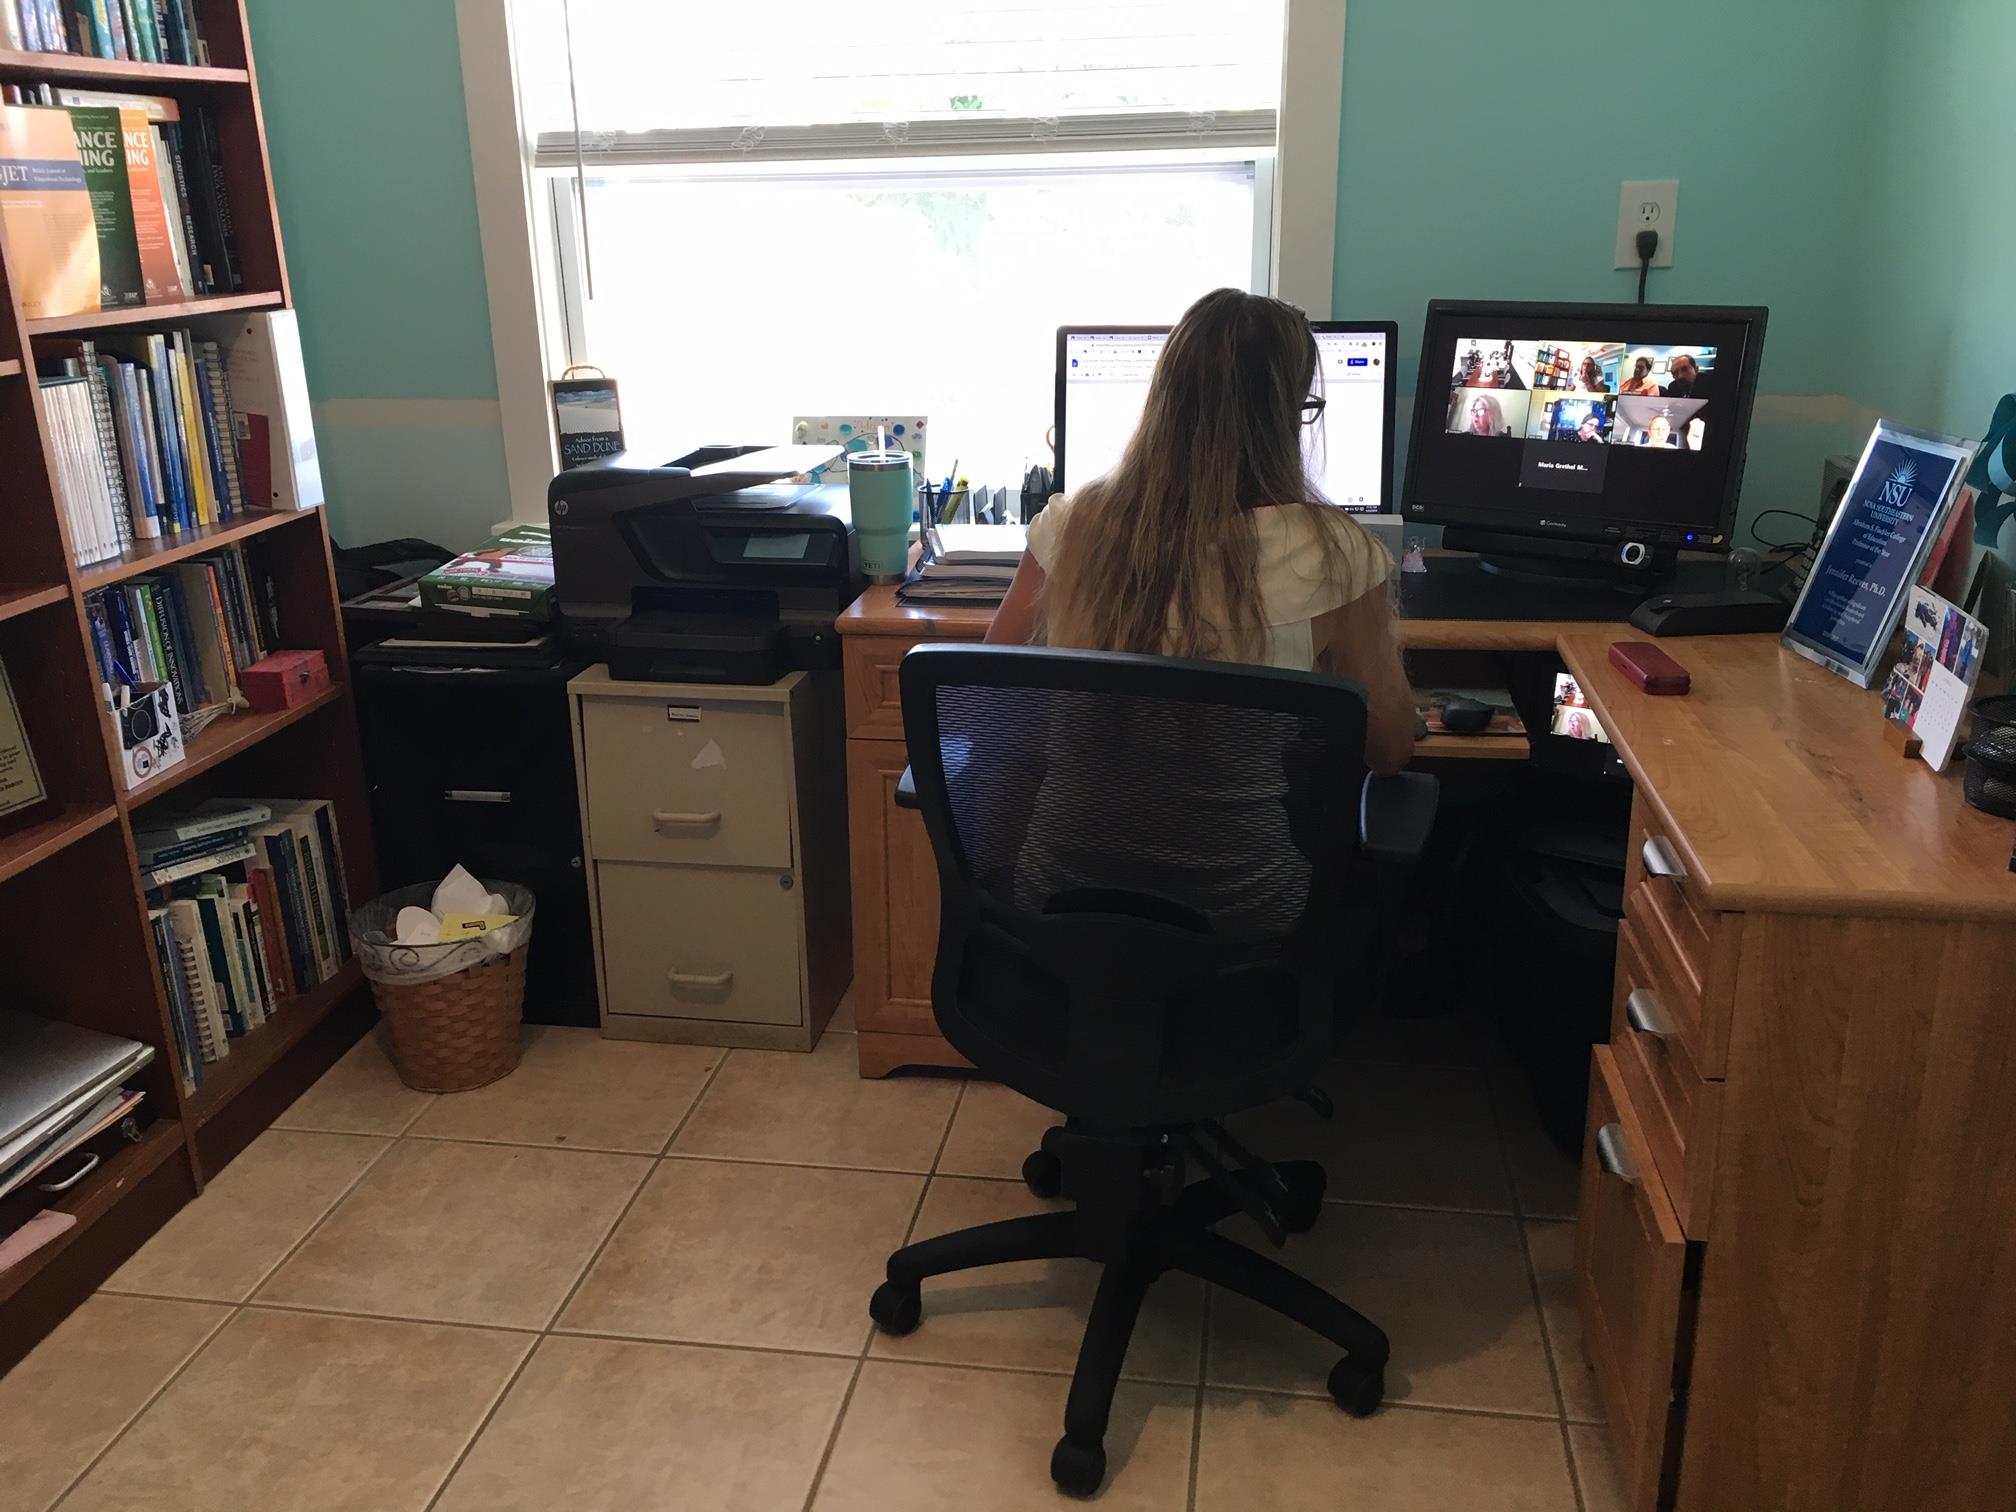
column 307, row 971
column 332, row 866
column 108, row 447
column 154, row 605
column 198, row 272
column 163, row 405
column 165, row 851
column 29, row 16
column 12, row 35
column 164, row 960
column 310, row 851
column 169, row 873
column 240, row 944
column 112, row 21
column 231, row 582
column 279, row 969
column 232, row 665
column 181, row 43
column 122, row 632
column 192, row 428
column 213, row 441
column 101, row 644
column 217, row 949
column 187, row 647
column 230, row 265
column 145, row 464
column 223, row 438
column 87, row 32
column 247, row 904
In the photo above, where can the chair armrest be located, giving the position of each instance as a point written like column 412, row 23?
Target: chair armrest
column 906, row 791
column 1395, row 815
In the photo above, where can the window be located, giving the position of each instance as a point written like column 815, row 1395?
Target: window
column 768, row 212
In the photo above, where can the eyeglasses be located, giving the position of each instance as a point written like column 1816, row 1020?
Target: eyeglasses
column 1312, row 410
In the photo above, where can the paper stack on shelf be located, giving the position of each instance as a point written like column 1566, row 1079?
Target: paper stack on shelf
column 965, row 564
column 59, row 1086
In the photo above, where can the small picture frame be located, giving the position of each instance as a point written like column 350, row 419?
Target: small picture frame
column 587, row 417
column 1876, row 547
column 20, row 778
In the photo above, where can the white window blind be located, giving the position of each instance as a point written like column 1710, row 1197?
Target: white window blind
column 669, row 83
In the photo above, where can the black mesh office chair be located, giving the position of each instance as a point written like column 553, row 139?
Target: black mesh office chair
column 1146, row 869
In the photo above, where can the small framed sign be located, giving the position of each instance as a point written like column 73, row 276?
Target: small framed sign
column 1894, row 509
column 587, row 417
column 20, row 778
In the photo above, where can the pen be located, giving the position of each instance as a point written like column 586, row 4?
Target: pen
column 945, row 498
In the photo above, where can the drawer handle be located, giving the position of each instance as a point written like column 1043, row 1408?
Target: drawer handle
column 1643, row 1013
column 665, row 818
column 700, row 979
column 1660, row 860
column 1612, row 1155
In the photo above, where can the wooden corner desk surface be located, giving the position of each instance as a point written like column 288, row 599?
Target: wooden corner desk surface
column 1801, row 1298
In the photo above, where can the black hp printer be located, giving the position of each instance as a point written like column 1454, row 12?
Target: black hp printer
column 708, row 568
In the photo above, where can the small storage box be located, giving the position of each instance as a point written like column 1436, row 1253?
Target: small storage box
column 284, row 679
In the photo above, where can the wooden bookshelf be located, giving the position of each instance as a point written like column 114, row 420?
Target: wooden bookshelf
column 102, row 72
column 165, row 314
column 149, row 556
column 75, row 943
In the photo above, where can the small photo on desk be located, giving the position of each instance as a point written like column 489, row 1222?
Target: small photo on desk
column 1573, row 717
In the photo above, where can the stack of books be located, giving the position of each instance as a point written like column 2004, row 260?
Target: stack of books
column 59, row 1086
column 143, row 435
column 112, row 201
column 248, row 908
column 195, row 625
column 964, row 564
column 144, row 31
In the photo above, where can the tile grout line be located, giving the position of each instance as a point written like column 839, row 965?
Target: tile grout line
column 483, row 1423
column 145, row 1407
column 1197, row 1409
column 868, row 1343
column 231, row 1317
column 1520, row 1219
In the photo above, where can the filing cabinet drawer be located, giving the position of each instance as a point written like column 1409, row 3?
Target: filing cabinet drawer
column 690, row 781
column 689, row 942
column 1680, row 1113
column 1694, row 943
column 1630, row 1265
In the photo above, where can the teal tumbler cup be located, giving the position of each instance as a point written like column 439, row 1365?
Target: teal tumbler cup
column 883, row 498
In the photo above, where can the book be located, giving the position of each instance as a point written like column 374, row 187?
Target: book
column 278, row 464
column 211, row 817
column 192, row 966
column 259, row 878
column 193, row 866
column 45, row 208
column 101, row 149
column 188, row 1062
column 160, row 272
column 277, row 840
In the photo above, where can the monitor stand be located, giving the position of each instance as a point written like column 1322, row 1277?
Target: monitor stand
column 1459, row 586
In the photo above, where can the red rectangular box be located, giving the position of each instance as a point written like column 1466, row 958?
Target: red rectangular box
column 283, row 679
column 1649, row 667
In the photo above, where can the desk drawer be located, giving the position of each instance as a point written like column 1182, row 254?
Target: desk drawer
column 1680, row 1113
column 690, row 942
column 1630, row 1262
column 874, row 702
column 702, row 782
column 1694, row 945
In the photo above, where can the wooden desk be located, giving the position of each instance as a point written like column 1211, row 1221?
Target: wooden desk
column 1802, row 1300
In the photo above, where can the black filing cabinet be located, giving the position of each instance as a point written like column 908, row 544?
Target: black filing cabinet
column 476, row 765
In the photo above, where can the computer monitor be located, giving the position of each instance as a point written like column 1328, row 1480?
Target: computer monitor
column 1102, row 384
column 1611, row 433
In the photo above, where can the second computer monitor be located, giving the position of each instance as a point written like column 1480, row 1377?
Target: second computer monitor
column 1102, row 385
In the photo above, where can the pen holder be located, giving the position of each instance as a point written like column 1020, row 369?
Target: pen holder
column 880, row 495
column 937, row 507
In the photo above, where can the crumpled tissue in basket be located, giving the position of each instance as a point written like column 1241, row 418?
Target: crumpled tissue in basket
column 408, row 945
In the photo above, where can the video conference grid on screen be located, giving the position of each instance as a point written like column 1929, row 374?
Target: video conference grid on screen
column 1582, row 391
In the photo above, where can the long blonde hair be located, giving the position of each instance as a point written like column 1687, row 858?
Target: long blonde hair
column 1161, row 554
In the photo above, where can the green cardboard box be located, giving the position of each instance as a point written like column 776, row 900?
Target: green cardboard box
column 508, row 574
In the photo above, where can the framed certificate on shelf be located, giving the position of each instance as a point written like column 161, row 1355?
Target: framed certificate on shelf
column 20, row 778
column 1894, row 509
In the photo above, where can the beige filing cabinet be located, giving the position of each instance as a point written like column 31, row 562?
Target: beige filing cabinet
column 715, row 821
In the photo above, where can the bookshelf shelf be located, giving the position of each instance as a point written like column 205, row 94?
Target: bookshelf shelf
column 173, row 310
column 15, row 600
column 225, row 738
column 84, row 70
column 97, row 1195
column 253, row 1054
column 38, row 842
column 146, row 556
column 9, row 367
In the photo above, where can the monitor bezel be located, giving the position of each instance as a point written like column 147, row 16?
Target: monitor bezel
column 1389, row 391
column 1430, row 400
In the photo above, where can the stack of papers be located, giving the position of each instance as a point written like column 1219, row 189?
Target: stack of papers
column 965, row 564
column 59, row 1086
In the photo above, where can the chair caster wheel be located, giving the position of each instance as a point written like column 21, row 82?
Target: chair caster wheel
column 1305, row 1203
column 1358, row 1389
column 1042, row 1174
column 1077, row 1468
column 897, row 1310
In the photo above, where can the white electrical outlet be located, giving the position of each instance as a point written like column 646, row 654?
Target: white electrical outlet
column 1646, row 205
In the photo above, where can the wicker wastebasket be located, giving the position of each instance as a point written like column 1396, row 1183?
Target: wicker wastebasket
column 453, row 1008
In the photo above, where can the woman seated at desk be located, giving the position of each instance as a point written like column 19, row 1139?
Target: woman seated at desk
column 1210, row 540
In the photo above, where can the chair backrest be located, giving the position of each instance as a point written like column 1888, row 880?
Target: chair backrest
column 1141, row 868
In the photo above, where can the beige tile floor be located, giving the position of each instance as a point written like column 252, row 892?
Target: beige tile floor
column 636, row 1276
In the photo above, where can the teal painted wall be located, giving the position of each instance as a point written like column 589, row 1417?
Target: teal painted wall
column 1482, row 145
column 1934, row 334
column 370, row 150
